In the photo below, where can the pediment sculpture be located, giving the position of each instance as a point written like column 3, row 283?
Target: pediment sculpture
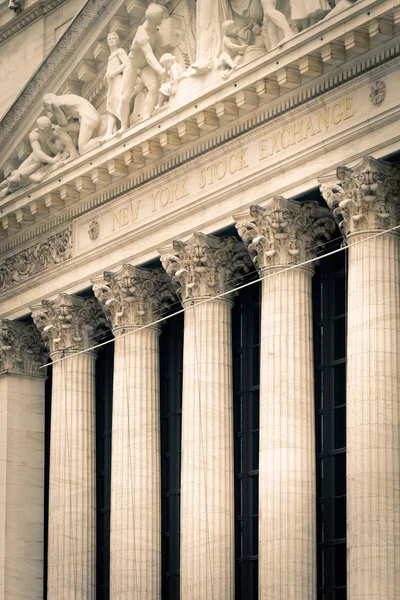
column 229, row 33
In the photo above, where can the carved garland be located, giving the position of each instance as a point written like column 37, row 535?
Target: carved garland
column 43, row 77
column 53, row 251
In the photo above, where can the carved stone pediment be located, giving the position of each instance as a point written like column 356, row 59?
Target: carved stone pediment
column 77, row 65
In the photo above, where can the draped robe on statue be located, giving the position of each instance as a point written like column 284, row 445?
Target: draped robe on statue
column 210, row 14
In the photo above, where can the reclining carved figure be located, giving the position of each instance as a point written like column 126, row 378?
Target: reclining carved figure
column 49, row 152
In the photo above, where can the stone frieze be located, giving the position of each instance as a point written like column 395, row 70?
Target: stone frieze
column 36, row 259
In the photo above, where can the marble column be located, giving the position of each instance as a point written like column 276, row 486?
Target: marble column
column 131, row 298
column 204, row 267
column 22, row 421
column 281, row 236
column 367, row 199
column 68, row 325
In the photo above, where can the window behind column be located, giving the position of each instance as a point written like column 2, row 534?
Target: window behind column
column 329, row 298
column 246, row 371
column 47, row 421
column 171, row 366
column 104, row 391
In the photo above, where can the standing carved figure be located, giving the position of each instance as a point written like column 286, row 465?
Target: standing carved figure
column 146, row 46
column 118, row 62
column 276, row 27
column 74, row 115
column 210, row 16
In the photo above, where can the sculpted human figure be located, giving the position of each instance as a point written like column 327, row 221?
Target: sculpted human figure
column 306, row 13
column 118, row 62
column 144, row 64
column 233, row 47
column 74, row 115
column 173, row 72
column 210, row 15
column 276, row 26
column 48, row 151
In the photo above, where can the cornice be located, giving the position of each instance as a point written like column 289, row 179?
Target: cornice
column 27, row 17
column 61, row 52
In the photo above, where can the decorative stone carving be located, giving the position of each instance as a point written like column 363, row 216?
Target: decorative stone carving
column 15, row 5
column 69, row 323
column 36, row 259
column 145, row 46
column 62, row 51
column 276, row 28
column 94, row 230
column 118, row 63
column 76, row 116
column 205, row 265
column 305, row 14
column 378, row 92
column 284, row 232
column 366, row 198
column 173, row 73
column 50, row 150
column 210, row 14
column 21, row 349
column 233, row 48
column 133, row 296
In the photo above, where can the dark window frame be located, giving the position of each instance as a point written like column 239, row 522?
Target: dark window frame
column 171, row 373
column 246, row 315
column 329, row 310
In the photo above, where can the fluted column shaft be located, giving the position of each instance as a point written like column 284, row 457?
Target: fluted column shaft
column 283, row 237
column 67, row 325
column 132, row 298
column 287, row 522
column 373, row 427
column 22, row 424
column 203, row 268
column 207, row 510
column 367, row 198
column 135, row 480
column 71, row 570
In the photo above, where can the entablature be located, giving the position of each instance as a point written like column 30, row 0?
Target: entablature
column 208, row 112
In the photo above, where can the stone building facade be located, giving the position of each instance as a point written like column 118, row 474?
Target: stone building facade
column 199, row 300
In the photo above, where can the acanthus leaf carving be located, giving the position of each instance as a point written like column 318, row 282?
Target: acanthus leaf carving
column 69, row 324
column 205, row 265
column 36, row 259
column 132, row 296
column 284, row 232
column 21, row 349
column 366, row 198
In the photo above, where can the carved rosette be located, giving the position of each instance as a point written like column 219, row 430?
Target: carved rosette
column 205, row 266
column 366, row 198
column 132, row 296
column 69, row 324
column 284, row 232
column 21, row 349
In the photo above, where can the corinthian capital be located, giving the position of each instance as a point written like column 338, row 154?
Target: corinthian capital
column 205, row 266
column 284, row 232
column 21, row 349
column 366, row 198
column 133, row 296
column 69, row 323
